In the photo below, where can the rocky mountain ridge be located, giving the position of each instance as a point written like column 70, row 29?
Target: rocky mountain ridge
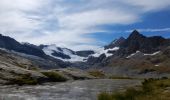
column 136, row 55
column 137, row 42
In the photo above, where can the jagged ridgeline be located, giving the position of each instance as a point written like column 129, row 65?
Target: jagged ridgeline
column 136, row 55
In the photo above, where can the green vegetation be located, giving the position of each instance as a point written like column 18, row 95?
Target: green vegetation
column 151, row 89
column 96, row 73
column 27, row 79
column 24, row 79
column 54, row 76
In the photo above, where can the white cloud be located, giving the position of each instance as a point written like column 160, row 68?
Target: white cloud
column 151, row 30
column 18, row 18
column 96, row 17
column 149, row 5
column 67, row 23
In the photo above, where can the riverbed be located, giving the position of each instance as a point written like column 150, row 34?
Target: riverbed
column 72, row 90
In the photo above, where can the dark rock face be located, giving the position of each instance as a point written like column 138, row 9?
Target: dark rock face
column 132, row 43
column 115, row 43
column 61, row 49
column 42, row 46
column 167, row 51
column 137, row 41
column 95, row 60
column 61, row 55
column 33, row 50
column 11, row 44
column 84, row 53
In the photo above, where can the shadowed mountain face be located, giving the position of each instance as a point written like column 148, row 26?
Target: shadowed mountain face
column 137, row 41
column 115, row 43
column 11, row 44
column 61, row 55
column 85, row 53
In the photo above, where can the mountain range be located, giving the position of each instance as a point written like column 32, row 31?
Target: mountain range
column 135, row 55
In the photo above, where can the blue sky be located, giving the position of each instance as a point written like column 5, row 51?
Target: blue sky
column 82, row 24
column 152, row 24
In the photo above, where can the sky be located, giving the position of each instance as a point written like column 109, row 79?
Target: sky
column 82, row 24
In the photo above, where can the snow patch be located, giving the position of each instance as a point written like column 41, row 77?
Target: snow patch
column 101, row 51
column 156, row 65
column 132, row 54
column 152, row 54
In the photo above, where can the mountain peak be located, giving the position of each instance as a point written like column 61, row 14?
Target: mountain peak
column 138, row 42
column 135, row 34
column 115, row 43
column 135, row 31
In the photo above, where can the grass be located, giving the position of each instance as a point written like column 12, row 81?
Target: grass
column 151, row 89
column 27, row 79
column 54, row 76
column 96, row 73
column 24, row 79
column 100, row 74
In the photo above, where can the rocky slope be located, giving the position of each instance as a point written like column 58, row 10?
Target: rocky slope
column 137, row 55
column 11, row 44
column 31, row 52
column 15, row 69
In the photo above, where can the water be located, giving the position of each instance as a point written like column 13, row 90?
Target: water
column 76, row 90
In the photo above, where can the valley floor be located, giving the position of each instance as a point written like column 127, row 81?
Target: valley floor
column 70, row 90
